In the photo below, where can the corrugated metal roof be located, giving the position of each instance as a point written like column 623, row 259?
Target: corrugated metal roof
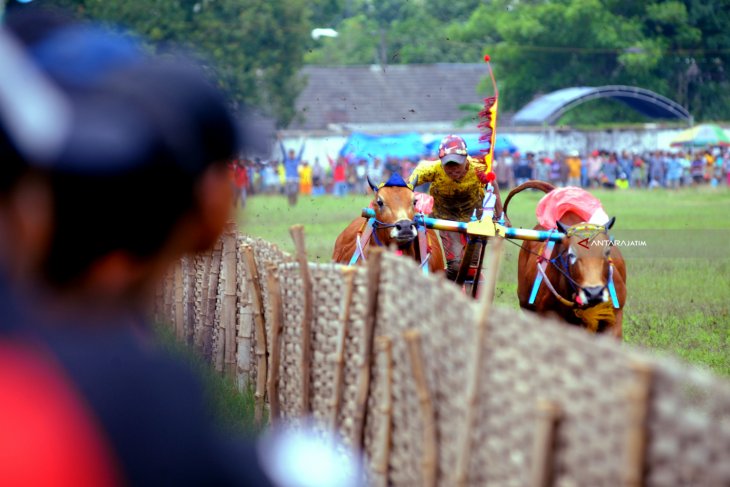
column 549, row 108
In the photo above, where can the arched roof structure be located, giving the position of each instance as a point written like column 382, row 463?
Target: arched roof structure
column 549, row 108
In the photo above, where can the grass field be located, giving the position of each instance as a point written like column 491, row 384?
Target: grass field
column 678, row 281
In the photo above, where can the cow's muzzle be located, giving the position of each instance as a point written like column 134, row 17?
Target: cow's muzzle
column 403, row 231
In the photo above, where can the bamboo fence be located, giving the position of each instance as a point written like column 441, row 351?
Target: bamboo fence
column 435, row 388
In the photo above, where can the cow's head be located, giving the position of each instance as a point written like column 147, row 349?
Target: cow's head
column 393, row 202
column 586, row 260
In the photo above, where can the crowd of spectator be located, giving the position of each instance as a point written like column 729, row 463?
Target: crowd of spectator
column 338, row 176
column 610, row 169
column 599, row 168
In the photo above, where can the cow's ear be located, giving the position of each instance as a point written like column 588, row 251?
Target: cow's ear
column 372, row 185
column 561, row 227
column 610, row 223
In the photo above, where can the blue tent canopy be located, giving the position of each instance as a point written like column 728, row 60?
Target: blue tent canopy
column 474, row 147
column 411, row 146
column 368, row 147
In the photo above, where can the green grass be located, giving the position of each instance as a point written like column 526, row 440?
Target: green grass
column 232, row 409
column 679, row 284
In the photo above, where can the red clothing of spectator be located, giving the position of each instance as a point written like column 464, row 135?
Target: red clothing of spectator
column 240, row 176
column 339, row 173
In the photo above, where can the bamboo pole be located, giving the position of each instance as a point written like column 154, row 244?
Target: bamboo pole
column 212, row 297
column 227, row 344
column 160, row 301
column 246, row 331
column 461, row 472
column 429, row 462
column 276, row 321
column 349, row 279
column 190, row 305
column 179, row 315
column 252, row 276
column 168, row 296
column 548, row 417
column 638, row 396
column 297, row 234
column 363, row 381
column 384, row 348
column 205, row 262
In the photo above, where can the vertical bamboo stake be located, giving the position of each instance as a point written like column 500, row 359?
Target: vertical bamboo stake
column 297, row 234
column 276, row 321
column 206, row 259
column 384, row 348
column 209, row 318
column 548, row 415
column 246, row 329
column 428, row 421
column 190, row 315
column 160, row 301
column 168, row 295
column 349, row 278
column 252, row 275
column 363, row 381
column 227, row 348
column 179, row 316
column 461, row 472
column 638, row 396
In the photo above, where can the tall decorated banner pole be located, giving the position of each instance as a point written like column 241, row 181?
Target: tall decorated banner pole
column 488, row 127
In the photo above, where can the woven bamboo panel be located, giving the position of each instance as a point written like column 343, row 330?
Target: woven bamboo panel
column 689, row 428
column 327, row 285
column 290, row 372
column 217, row 339
column 200, row 293
column 354, row 342
column 527, row 359
column 265, row 253
column 408, row 299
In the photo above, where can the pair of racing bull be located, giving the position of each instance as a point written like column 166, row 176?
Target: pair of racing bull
column 585, row 284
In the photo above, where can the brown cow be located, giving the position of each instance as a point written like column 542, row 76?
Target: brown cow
column 578, row 271
column 393, row 203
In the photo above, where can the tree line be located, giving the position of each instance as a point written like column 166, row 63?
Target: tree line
column 678, row 48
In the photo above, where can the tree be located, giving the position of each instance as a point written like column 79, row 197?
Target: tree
column 254, row 47
column 680, row 49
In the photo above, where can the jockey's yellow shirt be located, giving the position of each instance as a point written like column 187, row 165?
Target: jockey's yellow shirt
column 452, row 200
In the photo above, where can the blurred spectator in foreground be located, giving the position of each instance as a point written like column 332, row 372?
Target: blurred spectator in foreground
column 93, row 402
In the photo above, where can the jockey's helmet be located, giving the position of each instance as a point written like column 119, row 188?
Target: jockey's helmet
column 452, row 149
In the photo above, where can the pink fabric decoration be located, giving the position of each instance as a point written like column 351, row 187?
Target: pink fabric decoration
column 424, row 203
column 559, row 201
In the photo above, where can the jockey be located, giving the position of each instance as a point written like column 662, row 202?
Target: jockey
column 457, row 187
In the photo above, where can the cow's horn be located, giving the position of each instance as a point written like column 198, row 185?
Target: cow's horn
column 370, row 182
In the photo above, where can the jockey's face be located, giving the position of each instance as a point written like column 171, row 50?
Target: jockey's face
column 456, row 171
